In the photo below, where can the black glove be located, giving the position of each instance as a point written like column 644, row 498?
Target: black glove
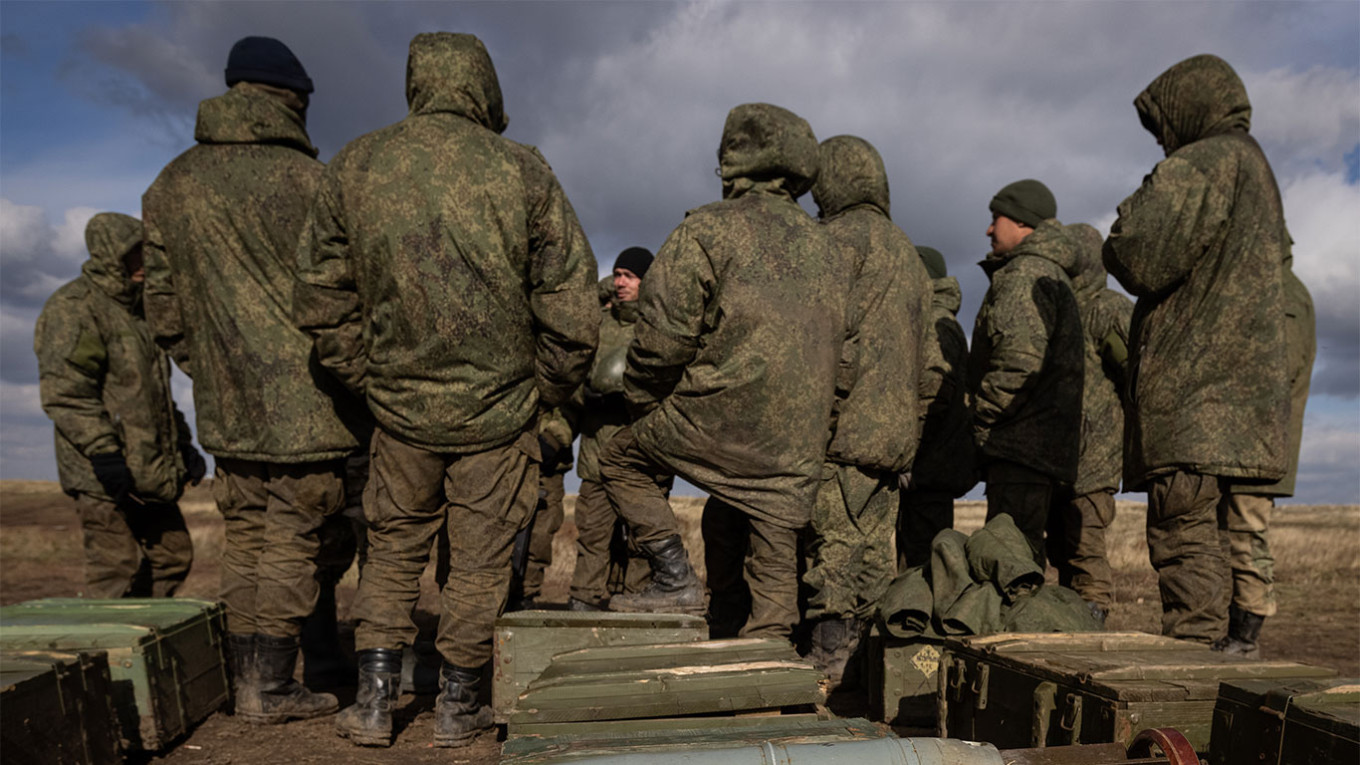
column 112, row 472
column 549, row 451
column 195, row 467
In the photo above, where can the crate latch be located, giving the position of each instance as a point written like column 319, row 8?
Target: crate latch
column 980, row 687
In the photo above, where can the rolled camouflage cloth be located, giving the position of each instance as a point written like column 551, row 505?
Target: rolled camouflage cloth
column 998, row 553
column 949, row 575
column 906, row 606
column 1050, row 609
column 977, row 611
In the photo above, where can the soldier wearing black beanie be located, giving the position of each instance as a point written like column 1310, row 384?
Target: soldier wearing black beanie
column 635, row 259
column 266, row 61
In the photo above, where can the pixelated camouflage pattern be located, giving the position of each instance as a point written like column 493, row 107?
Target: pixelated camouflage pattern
column 850, row 553
column 101, row 377
column 602, row 416
column 1025, row 365
column 1105, row 317
column 742, row 318
column 222, row 224
column 877, row 417
column 946, row 461
column 443, row 272
column 1200, row 245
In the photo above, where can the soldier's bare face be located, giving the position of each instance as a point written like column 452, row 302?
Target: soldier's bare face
column 626, row 285
column 132, row 263
column 1006, row 234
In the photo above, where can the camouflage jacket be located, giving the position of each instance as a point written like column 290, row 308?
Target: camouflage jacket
column 876, row 420
column 1025, row 365
column 1105, row 316
column 102, row 379
column 600, row 401
column 945, row 461
column 443, row 273
column 1200, row 246
column 222, row 223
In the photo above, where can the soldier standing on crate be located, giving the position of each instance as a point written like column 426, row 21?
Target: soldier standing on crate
column 457, row 294
column 1201, row 245
column 124, row 451
column 875, row 425
column 222, row 223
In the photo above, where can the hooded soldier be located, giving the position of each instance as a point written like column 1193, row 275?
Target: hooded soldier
column 1025, row 365
column 731, row 378
column 445, row 278
column 222, row 223
column 875, row 425
column 124, row 451
column 1200, row 245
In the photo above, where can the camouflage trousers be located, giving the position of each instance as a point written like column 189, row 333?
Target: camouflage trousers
column 1027, row 496
column 752, row 574
column 607, row 561
column 1243, row 522
column 274, row 513
column 131, row 550
column 482, row 500
column 921, row 514
column 1076, row 546
column 850, row 548
column 1183, row 544
column 547, row 521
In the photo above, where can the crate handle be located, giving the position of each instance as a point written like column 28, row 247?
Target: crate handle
column 1045, row 702
column 1071, row 719
column 980, row 686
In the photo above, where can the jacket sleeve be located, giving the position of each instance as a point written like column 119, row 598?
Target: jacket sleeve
column 672, row 304
column 326, row 303
column 1018, row 335
column 163, row 310
column 1164, row 228
column 563, row 296
column 72, row 361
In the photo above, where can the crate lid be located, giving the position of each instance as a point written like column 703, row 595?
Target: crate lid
column 152, row 613
column 73, row 637
column 599, row 619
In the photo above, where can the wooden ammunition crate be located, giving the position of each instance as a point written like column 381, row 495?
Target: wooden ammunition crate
column 57, row 709
column 903, row 679
column 1294, row 722
column 165, row 656
column 1017, row 690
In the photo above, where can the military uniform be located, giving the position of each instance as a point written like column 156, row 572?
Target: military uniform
column 555, row 434
column 106, row 387
column 1200, row 245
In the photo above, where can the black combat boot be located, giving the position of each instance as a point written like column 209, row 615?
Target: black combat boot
column 576, row 604
column 369, row 721
column 674, row 587
column 1098, row 612
column 1244, row 629
column 241, row 665
column 277, row 697
column 458, row 715
column 833, row 643
column 324, row 663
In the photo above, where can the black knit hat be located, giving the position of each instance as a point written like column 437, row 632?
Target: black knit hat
column 934, row 262
column 1028, row 202
column 635, row 259
column 267, row 61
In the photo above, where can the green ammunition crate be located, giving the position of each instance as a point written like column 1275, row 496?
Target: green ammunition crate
column 526, row 642
column 903, row 679
column 1051, row 689
column 166, row 658
column 1294, row 722
column 56, row 709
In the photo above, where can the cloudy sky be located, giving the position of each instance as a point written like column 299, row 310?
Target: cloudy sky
column 627, row 101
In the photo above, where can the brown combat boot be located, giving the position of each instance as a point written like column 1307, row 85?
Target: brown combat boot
column 458, row 715
column 276, row 697
column 674, row 588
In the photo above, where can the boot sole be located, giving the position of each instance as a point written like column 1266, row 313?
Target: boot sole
column 279, row 718
column 365, row 739
column 684, row 610
column 458, row 742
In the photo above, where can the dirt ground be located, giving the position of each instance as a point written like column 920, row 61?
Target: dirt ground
column 1317, row 551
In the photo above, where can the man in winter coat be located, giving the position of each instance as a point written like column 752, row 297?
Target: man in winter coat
column 1245, row 509
column 945, row 467
column 1025, row 366
column 875, row 425
column 732, row 375
column 444, row 277
column 1076, row 534
column 124, row 451
column 222, row 223
column 1200, row 246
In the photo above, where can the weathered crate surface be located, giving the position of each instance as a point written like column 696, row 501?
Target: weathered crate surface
column 527, row 641
column 722, row 676
column 165, row 656
column 56, row 708
column 1290, row 722
column 1016, row 690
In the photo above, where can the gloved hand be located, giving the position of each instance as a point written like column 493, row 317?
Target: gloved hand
column 112, row 472
column 548, row 448
column 195, row 467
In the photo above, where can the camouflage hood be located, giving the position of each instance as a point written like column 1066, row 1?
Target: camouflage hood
column 769, row 145
column 110, row 236
column 250, row 114
column 1049, row 241
column 947, row 294
column 851, row 173
column 1090, row 276
column 1197, row 98
column 447, row 72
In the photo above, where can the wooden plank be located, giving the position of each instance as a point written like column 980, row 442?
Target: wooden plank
column 615, row 659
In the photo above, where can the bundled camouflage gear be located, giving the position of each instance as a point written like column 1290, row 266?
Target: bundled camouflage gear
column 1201, row 245
column 222, row 225
column 945, row 462
column 102, row 379
column 443, row 272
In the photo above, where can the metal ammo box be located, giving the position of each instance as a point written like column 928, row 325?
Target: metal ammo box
column 903, row 679
column 526, row 642
column 1050, row 689
column 1291, row 722
column 165, row 656
column 56, row 709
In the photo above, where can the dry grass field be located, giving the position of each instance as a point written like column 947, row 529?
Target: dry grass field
column 1317, row 551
